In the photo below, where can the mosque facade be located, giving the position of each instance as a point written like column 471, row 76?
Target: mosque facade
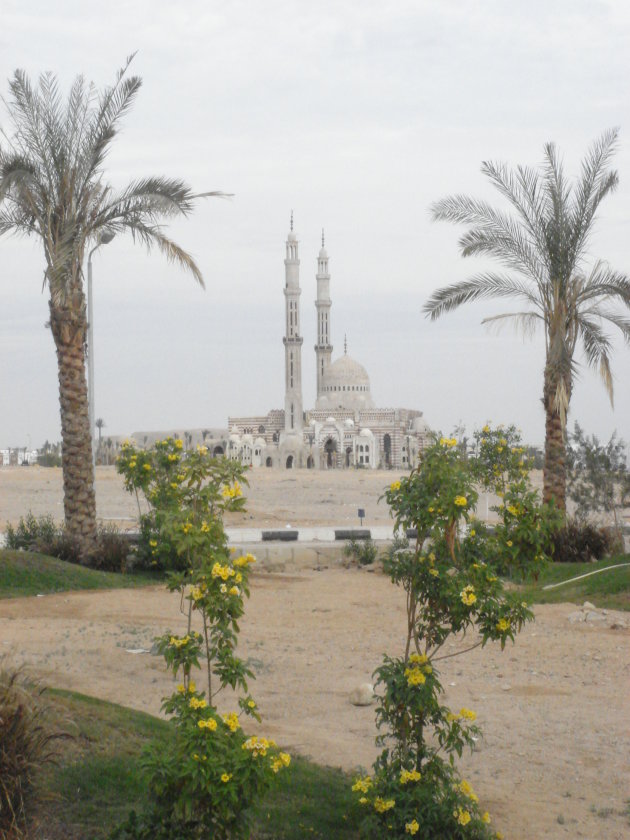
column 344, row 429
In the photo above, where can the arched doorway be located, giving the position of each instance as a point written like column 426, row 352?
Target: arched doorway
column 348, row 455
column 330, row 448
column 310, row 463
column 387, row 449
column 268, row 462
column 218, row 450
column 290, row 462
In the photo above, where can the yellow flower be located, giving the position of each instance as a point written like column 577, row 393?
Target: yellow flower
column 285, row 758
column 362, row 785
column 486, row 818
column 434, row 572
column 258, row 746
column 235, row 590
column 486, row 429
column 204, row 527
column 382, row 805
column 513, row 510
column 412, row 827
column 231, row 721
column 468, row 596
column 395, row 485
column 132, row 463
column 461, row 501
column 419, row 658
column 181, row 689
column 468, row 714
column 186, row 527
column 153, row 543
column 472, row 532
column 191, row 686
column 251, row 704
column 503, row 625
column 202, row 450
column 146, row 467
column 409, row 776
column 364, row 800
column 225, row 777
column 510, row 543
column 467, row 790
column 462, row 816
column 179, row 444
column 239, row 577
column 415, row 676
column 194, row 703
column 451, row 717
column 173, row 457
column 210, row 724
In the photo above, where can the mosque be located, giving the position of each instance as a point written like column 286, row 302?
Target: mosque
column 344, row 429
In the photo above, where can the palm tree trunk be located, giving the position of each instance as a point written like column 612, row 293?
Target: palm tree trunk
column 69, row 328
column 554, row 472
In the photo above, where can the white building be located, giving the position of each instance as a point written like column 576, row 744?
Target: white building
column 344, row 429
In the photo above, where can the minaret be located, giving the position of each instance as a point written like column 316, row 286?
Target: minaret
column 323, row 348
column 293, row 339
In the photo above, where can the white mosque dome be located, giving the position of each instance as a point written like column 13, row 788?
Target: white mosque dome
column 331, row 420
column 345, row 384
column 366, row 433
column 259, row 442
column 323, row 253
column 349, row 423
column 346, row 371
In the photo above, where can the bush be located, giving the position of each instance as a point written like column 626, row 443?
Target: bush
column 41, row 534
column 363, row 551
column 25, row 744
column 582, row 542
column 32, row 534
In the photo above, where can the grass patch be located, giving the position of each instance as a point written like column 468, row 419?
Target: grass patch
column 28, row 573
column 608, row 590
column 97, row 781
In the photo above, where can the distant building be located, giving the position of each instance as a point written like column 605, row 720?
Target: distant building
column 344, row 429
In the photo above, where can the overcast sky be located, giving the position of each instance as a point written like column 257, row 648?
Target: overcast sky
column 358, row 116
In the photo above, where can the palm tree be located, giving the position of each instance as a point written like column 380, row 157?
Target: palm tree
column 52, row 187
column 543, row 244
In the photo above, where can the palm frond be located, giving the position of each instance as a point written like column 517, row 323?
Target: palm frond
column 483, row 286
column 525, row 322
column 151, row 236
column 604, row 283
column 597, row 347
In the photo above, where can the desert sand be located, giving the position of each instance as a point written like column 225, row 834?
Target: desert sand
column 554, row 707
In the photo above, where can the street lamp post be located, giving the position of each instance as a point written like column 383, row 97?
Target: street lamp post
column 103, row 239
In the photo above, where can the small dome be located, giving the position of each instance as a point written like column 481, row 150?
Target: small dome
column 419, row 424
column 346, row 371
column 348, row 423
column 291, row 237
column 366, row 433
column 330, row 420
column 235, row 439
column 323, row 253
column 248, row 439
column 259, row 442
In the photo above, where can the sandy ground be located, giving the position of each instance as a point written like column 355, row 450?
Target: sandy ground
column 554, row 707
column 274, row 498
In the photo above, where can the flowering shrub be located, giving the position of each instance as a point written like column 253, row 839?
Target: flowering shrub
column 523, row 539
column 170, row 479
column 415, row 790
column 203, row 781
